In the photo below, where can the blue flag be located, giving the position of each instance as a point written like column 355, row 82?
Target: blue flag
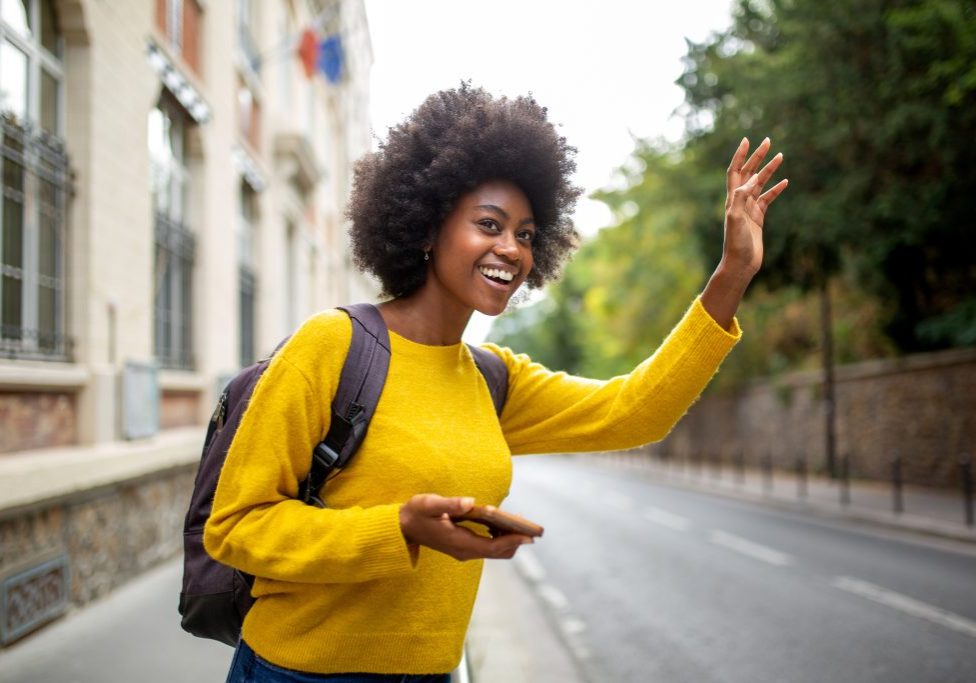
column 330, row 58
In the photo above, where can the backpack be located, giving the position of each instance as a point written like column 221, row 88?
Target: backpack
column 215, row 597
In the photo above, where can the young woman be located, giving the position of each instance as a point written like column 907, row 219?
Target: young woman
column 468, row 199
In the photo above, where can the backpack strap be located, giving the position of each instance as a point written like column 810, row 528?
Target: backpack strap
column 496, row 375
column 360, row 385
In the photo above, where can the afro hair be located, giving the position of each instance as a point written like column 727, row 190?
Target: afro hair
column 454, row 141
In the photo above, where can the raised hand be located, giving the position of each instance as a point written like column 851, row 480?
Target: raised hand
column 745, row 213
column 745, row 206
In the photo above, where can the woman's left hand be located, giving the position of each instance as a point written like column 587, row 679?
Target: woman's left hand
column 745, row 207
column 745, row 213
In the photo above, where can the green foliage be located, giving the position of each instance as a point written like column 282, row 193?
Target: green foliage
column 874, row 104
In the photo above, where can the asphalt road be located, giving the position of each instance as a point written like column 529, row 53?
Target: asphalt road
column 651, row 583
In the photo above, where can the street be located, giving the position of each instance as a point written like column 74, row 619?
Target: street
column 652, row 583
column 637, row 582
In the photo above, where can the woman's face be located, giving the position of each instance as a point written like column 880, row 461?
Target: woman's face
column 483, row 251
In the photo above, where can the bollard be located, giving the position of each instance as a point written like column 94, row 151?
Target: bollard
column 896, row 484
column 966, row 465
column 767, row 466
column 801, row 477
column 845, row 479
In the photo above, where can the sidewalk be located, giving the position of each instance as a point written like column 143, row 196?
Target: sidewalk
column 932, row 512
column 134, row 635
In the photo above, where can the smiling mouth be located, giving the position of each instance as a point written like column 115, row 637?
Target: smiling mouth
column 497, row 276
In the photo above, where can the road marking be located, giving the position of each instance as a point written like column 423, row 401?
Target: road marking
column 750, row 549
column 667, row 519
column 618, row 501
column 571, row 626
column 906, row 604
column 529, row 566
column 555, row 597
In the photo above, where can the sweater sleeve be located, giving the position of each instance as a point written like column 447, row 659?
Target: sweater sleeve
column 257, row 525
column 553, row 412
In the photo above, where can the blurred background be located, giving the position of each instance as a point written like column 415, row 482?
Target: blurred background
column 175, row 174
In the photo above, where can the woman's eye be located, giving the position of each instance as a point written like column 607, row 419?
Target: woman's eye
column 526, row 235
column 489, row 225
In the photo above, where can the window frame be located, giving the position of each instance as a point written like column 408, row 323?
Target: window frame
column 174, row 244
column 44, row 195
column 247, row 274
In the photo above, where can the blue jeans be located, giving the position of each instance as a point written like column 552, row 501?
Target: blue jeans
column 247, row 667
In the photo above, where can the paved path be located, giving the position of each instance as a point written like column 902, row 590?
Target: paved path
column 515, row 636
column 133, row 636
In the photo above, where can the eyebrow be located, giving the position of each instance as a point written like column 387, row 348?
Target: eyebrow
column 504, row 214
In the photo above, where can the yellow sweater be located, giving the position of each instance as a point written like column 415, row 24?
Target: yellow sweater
column 338, row 589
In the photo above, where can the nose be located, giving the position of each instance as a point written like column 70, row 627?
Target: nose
column 506, row 246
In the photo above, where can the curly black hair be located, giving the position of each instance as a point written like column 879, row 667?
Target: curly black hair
column 455, row 140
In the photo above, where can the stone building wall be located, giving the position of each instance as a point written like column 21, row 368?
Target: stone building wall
column 64, row 553
column 920, row 407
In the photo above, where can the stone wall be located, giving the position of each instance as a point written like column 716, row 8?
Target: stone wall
column 66, row 553
column 921, row 407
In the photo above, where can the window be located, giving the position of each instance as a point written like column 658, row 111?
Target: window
column 175, row 243
column 248, row 115
column 33, row 201
column 246, row 22
column 179, row 21
column 291, row 276
column 174, row 22
column 248, row 278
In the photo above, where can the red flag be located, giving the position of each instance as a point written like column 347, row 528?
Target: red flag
column 308, row 50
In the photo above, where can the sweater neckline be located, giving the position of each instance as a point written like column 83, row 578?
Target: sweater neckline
column 402, row 344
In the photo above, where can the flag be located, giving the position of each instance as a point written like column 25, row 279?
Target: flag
column 330, row 58
column 308, row 50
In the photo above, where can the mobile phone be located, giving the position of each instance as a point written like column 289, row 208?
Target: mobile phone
column 499, row 522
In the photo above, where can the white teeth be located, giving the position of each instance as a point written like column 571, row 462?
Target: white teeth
column 500, row 274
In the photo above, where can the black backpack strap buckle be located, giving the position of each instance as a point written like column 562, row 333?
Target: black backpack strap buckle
column 324, row 459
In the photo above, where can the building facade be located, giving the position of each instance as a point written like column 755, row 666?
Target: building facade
column 175, row 174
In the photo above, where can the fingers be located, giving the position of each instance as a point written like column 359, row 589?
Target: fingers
column 433, row 505
column 769, row 169
column 756, row 158
column 772, row 193
column 500, row 548
column 754, row 185
column 739, row 156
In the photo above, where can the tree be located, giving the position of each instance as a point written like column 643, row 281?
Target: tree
column 874, row 102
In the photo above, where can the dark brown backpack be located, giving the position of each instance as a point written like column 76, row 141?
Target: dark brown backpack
column 215, row 597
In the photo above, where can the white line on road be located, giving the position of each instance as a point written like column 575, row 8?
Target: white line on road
column 750, row 549
column 905, row 604
column 555, row 597
column 528, row 566
column 571, row 626
column 667, row 519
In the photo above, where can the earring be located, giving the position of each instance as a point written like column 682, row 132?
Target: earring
column 426, row 255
